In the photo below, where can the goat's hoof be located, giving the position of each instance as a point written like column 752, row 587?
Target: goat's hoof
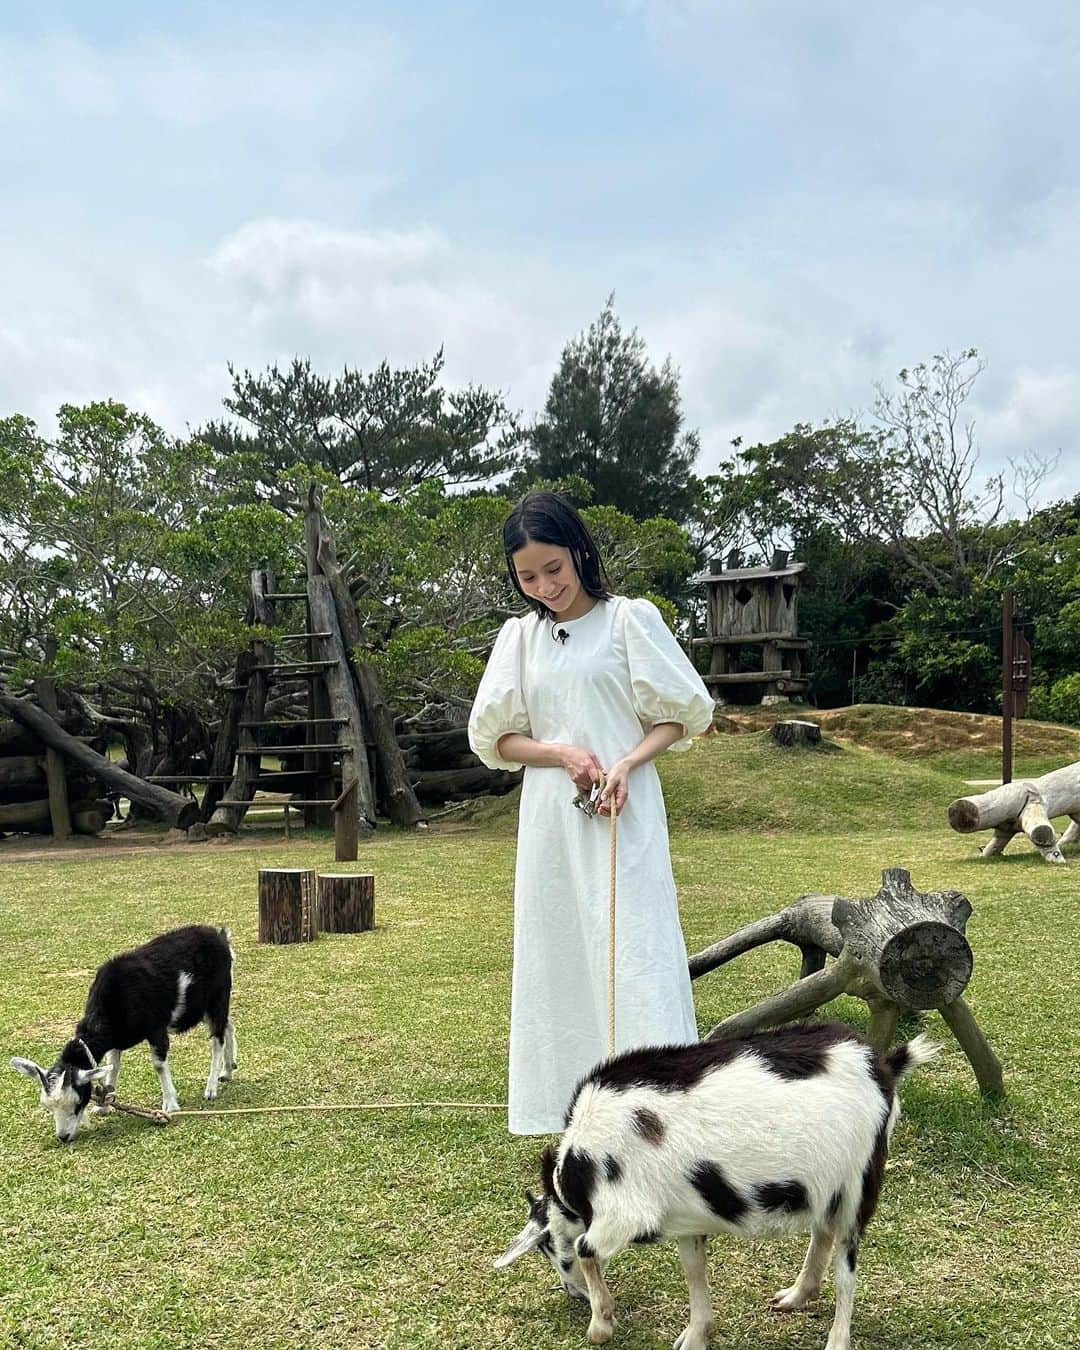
column 791, row 1300
column 693, row 1338
column 210, row 1094
column 171, row 1106
column 599, row 1333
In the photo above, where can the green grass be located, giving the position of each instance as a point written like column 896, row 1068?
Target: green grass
column 379, row 1229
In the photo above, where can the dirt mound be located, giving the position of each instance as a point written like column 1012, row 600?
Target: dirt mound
column 916, row 731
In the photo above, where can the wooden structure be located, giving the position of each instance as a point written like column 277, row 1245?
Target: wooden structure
column 1025, row 806
column 287, row 905
column 755, row 608
column 333, row 751
column 346, row 902
column 899, row 951
column 54, row 780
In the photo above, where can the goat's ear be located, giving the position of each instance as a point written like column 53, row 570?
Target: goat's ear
column 526, row 1241
column 29, row 1069
column 96, row 1075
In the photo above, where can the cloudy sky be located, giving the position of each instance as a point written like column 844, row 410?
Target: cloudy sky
column 792, row 198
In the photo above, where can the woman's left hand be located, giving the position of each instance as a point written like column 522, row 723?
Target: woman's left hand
column 617, row 787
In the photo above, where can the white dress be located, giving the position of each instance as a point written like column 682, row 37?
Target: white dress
column 619, row 672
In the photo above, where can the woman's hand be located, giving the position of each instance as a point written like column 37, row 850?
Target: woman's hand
column 582, row 766
column 616, row 788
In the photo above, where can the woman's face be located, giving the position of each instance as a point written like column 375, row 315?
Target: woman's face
column 546, row 572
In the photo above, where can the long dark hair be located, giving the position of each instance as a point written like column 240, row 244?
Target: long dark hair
column 548, row 518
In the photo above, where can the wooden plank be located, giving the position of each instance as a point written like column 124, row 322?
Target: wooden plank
column 748, row 677
column 299, row 749
column 782, row 640
column 59, row 807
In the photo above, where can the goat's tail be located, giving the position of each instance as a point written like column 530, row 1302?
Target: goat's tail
column 913, row 1054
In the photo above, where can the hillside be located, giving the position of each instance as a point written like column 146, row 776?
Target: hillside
column 880, row 766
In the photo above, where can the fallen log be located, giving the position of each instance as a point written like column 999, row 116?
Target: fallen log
column 1025, row 806
column 34, row 817
column 455, row 784
column 899, row 951
column 179, row 812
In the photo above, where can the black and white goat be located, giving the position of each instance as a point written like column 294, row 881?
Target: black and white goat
column 168, row 985
column 761, row 1135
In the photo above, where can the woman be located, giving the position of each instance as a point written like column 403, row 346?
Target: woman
column 587, row 684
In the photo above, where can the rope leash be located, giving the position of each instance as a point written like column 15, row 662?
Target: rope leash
column 107, row 1101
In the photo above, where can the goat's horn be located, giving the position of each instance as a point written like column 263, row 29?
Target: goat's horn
column 89, row 1056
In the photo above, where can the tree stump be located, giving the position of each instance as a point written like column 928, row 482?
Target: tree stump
column 346, row 902
column 1024, row 806
column 899, row 950
column 792, row 733
column 287, row 904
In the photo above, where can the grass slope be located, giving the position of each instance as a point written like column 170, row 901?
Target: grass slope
column 378, row 1230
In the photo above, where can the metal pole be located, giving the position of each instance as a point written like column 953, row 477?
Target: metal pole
column 1006, row 686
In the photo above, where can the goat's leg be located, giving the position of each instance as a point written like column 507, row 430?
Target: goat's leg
column 601, row 1304
column 230, row 1051
column 808, row 1284
column 216, row 1026
column 845, row 1258
column 692, row 1255
column 159, row 1057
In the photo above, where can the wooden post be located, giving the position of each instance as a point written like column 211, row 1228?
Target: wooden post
column 59, row 808
column 346, row 902
column 1006, row 686
column 287, row 904
column 346, row 821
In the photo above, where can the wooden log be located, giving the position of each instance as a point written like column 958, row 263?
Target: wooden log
column 453, row 785
column 232, row 807
column 34, row 817
column 176, row 811
column 59, row 807
column 287, row 901
column 402, row 802
column 344, row 703
column 346, row 902
column 795, row 733
column 1024, row 806
column 227, row 741
column 15, row 739
column 346, row 824
column 20, row 771
column 910, row 946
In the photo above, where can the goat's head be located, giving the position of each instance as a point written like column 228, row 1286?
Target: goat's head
column 66, row 1087
column 552, row 1229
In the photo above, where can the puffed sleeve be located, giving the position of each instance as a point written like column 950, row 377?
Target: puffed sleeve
column 499, row 705
column 664, row 683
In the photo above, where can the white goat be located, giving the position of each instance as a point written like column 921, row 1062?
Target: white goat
column 778, row 1132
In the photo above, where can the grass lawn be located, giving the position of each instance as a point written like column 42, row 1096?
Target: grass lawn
column 380, row 1229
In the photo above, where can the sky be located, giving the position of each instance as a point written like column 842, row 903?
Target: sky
column 793, row 199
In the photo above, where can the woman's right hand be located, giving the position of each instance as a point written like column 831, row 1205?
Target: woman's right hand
column 582, row 766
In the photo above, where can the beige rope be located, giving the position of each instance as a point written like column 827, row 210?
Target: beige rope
column 107, row 1101
column 611, row 933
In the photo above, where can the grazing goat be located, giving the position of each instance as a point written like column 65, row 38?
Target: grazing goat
column 761, row 1135
column 168, row 985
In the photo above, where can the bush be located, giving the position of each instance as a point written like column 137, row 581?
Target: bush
column 1058, row 702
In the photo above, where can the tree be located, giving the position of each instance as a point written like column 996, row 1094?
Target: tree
column 121, row 569
column 385, row 432
column 614, row 420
